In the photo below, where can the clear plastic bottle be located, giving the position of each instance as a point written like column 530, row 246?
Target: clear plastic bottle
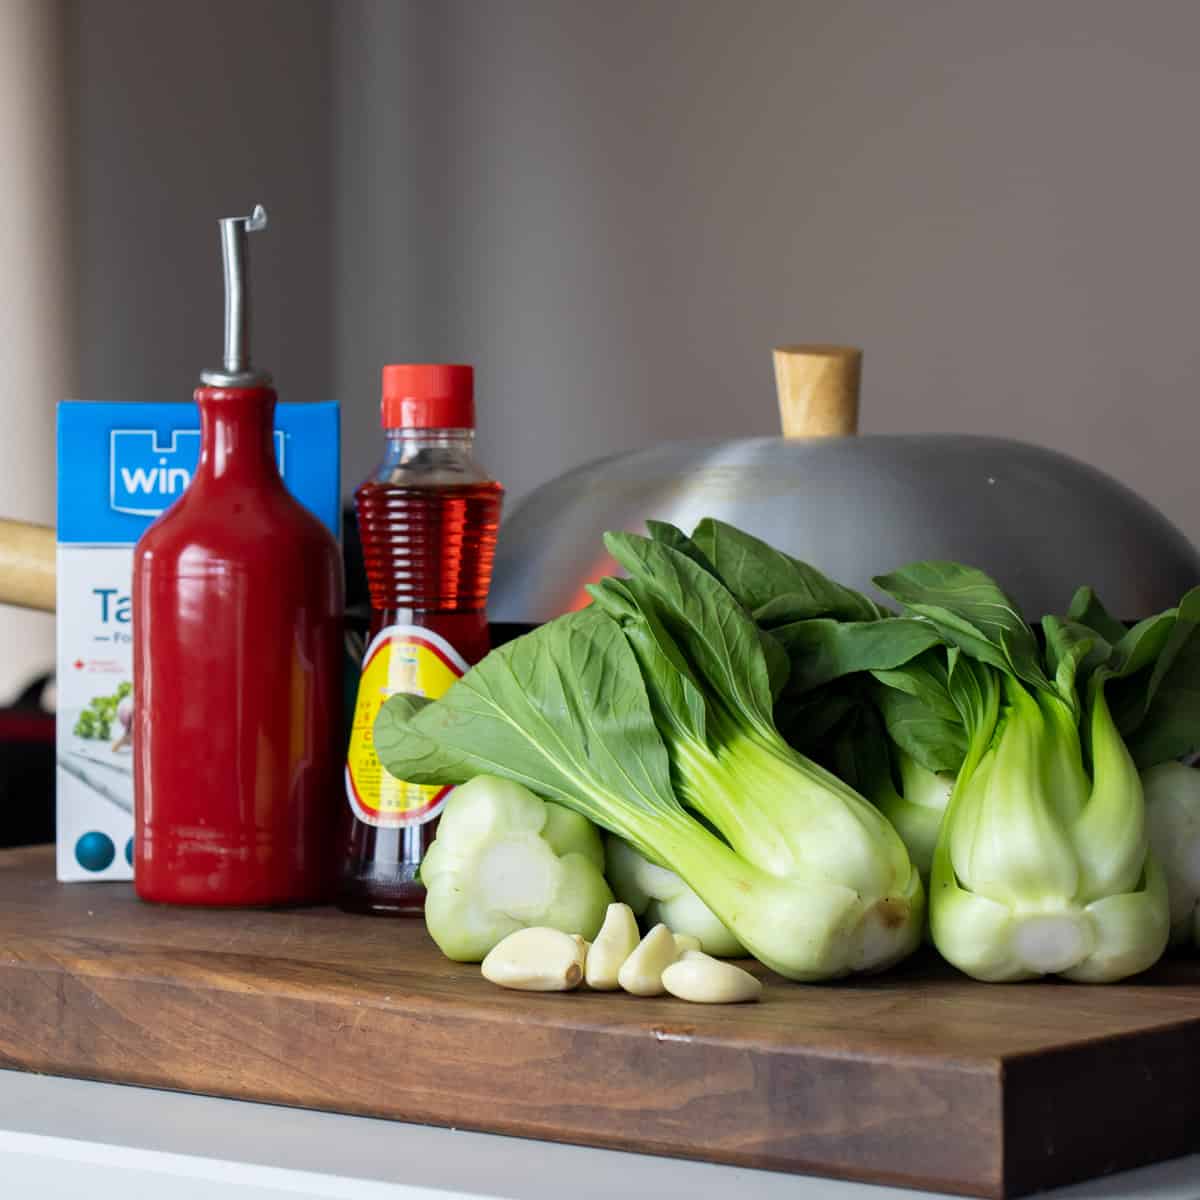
column 427, row 520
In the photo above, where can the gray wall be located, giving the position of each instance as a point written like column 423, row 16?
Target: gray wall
column 186, row 113
column 615, row 211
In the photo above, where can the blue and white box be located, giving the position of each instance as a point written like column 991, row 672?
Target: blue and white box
column 120, row 465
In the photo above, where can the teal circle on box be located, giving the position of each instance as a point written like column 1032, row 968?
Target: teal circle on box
column 129, row 852
column 95, row 851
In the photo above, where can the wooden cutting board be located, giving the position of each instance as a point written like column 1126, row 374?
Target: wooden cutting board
column 917, row 1077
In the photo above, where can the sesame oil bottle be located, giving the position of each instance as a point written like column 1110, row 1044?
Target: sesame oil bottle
column 427, row 519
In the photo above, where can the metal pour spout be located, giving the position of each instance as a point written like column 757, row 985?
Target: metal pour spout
column 236, row 370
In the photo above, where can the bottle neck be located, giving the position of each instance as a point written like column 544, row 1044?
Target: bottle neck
column 403, row 444
column 237, row 433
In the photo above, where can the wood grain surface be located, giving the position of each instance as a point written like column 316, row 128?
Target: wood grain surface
column 917, row 1077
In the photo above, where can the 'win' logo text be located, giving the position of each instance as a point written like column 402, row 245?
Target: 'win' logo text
column 147, row 475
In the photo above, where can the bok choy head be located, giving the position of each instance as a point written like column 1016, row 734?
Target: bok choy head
column 712, row 677
column 1041, row 864
column 608, row 715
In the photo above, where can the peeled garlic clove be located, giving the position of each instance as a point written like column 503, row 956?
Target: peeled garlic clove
column 704, row 980
column 616, row 941
column 641, row 973
column 537, row 960
column 686, row 941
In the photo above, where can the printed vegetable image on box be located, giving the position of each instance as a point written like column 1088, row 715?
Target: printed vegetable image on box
column 120, row 465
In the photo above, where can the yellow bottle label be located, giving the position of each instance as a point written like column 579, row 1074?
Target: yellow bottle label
column 400, row 658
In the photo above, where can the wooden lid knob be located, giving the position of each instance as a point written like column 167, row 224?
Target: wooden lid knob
column 818, row 390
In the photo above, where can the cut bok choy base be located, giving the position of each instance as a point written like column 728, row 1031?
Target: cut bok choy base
column 650, row 714
column 504, row 860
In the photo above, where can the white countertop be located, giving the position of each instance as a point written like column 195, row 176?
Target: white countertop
column 64, row 1138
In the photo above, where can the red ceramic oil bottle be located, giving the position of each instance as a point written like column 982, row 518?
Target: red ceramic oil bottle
column 427, row 519
column 237, row 610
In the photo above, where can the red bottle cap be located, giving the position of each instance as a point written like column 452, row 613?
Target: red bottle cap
column 428, row 396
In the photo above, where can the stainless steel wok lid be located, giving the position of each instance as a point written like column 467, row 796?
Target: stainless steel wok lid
column 1041, row 522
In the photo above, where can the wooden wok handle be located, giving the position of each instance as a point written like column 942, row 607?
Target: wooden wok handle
column 818, row 390
column 27, row 559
